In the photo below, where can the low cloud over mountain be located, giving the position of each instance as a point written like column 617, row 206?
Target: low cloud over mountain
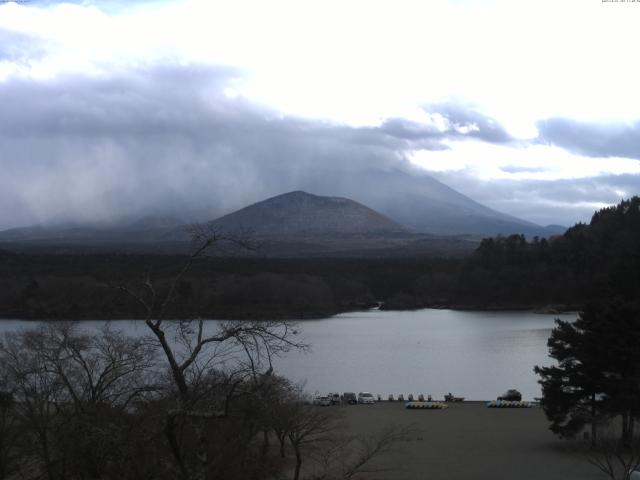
column 195, row 109
column 169, row 141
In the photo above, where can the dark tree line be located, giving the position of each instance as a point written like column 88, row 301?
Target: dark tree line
column 566, row 271
column 77, row 286
column 598, row 260
column 595, row 384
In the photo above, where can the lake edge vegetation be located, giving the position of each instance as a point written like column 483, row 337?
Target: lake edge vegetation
column 506, row 272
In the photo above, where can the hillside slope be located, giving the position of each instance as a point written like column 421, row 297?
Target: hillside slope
column 426, row 205
column 301, row 214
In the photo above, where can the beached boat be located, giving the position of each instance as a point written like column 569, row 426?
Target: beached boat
column 451, row 398
column 426, row 405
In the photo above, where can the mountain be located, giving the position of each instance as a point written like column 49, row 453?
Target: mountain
column 422, row 203
column 300, row 214
column 142, row 230
column 392, row 213
column 298, row 224
column 294, row 224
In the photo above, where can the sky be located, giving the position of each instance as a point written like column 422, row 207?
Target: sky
column 195, row 108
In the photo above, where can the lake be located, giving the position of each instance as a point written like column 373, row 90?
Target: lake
column 473, row 354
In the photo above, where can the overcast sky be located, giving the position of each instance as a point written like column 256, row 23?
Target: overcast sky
column 116, row 108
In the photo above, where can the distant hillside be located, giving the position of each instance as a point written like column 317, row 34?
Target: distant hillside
column 295, row 224
column 420, row 217
column 601, row 259
column 300, row 214
column 143, row 230
column 421, row 202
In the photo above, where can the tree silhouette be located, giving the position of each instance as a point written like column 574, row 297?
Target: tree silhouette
column 597, row 376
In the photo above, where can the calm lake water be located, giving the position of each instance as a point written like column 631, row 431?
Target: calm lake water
column 473, row 354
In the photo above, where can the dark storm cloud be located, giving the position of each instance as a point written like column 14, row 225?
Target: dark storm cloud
column 487, row 129
column 155, row 102
column 164, row 140
column 168, row 141
column 456, row 123
column 592, row 139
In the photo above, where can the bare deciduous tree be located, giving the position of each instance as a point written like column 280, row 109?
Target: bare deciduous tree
column 308, row 426
column 613, row 456
column 347, row 457
column 72, row 392
column 10, row 436
column 194, row 348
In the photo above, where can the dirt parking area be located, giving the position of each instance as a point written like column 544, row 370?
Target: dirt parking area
column 470, row 441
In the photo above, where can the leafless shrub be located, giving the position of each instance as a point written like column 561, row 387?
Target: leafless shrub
column 612, row 456
column 347, row 457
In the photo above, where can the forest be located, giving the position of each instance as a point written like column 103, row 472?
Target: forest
column 588, row 261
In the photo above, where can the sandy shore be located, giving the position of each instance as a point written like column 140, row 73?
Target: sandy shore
column 470, row 441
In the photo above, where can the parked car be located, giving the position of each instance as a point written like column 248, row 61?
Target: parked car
column 322, row 401
column 350, row 398
column 366, row 397
column 335, row 398
column 511, row 396
column 634, row 473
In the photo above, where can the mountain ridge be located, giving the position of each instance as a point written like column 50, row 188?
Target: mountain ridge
column 421, row 202
column 299, row 213
column 299, row 223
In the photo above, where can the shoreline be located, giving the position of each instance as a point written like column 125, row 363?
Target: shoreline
column 293, row 316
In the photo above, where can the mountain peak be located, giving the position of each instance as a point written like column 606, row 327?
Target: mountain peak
column 296, row 193
column 301, row 195
column 299, row 213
